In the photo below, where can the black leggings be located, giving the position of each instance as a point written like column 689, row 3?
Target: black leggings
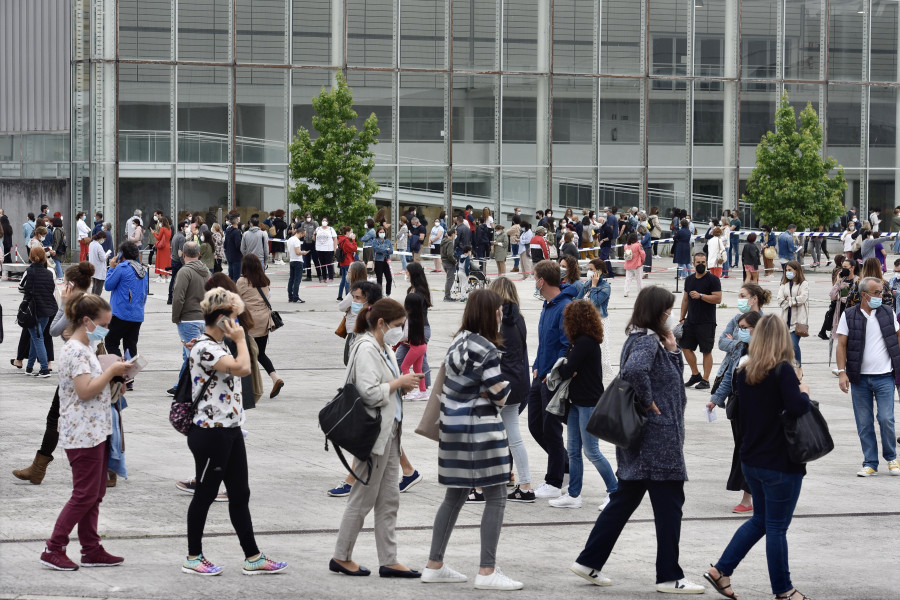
column 125, row 331
column 264, row 360
column 51, row 433
column 383, row 268
column 220, row 455
column 325, row 264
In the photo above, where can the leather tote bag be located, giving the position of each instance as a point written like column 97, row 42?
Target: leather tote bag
column 618, row 417
column 807, row 436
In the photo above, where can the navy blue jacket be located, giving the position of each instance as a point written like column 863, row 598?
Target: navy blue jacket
column 232, row 244
column 552, row 340
column 682, row 246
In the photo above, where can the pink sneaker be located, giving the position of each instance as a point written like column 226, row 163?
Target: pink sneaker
column 741, row 509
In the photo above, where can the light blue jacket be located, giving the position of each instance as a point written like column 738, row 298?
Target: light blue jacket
column 383, row 249
column 599, row 296
column 727, row 368
column 368, row 238
column 786, row 247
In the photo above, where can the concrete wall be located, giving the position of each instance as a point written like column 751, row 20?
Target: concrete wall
column 18, row 197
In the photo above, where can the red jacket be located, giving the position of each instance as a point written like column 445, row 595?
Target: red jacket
column 348, row 247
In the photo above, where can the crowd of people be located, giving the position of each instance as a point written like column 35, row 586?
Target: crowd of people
column 224, row 320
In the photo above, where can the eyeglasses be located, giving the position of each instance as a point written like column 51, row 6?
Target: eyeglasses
column 878, row 293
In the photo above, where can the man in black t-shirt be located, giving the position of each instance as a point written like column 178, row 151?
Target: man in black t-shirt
column 702, row 293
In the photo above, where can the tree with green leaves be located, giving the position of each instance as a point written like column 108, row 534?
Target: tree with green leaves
column 333, row 170
column 791, row 182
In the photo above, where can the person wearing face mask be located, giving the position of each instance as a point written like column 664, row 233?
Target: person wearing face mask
column 894, row 285
column 309, row 226
column 382, row 249
column 597, row 290
column 751, row 299
column 97, row 257
column 374, row 371
column 85, row 426
column 702, row 294
column 83, row 235
column 254, row 241
column 326, row 238
column 515, row 232
column 500, row 244
column 725, row 391
column 793, row 298
column 434, row 239
column 39, row 289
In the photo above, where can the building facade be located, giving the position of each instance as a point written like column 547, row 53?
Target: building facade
column 191, row 105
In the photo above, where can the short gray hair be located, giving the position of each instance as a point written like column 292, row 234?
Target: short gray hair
column 137, row 212
column 191, row 250
column 866, row 286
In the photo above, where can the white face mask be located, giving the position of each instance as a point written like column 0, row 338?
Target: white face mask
column 392, row 336
column 324, row 223
column 308, row 219
column 671, row 321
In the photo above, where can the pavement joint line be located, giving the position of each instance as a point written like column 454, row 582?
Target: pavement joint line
column 334, row 531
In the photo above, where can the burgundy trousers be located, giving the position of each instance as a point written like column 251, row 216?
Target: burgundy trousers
column 89, row 472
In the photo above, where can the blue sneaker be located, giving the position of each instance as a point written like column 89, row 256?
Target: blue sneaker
column 342, row 490
column 409, row 480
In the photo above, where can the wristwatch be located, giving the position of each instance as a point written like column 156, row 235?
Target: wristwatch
column 842, row 370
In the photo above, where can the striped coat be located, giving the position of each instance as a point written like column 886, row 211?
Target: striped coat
column 473, row 450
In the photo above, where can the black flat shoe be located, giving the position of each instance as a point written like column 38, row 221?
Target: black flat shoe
column 335, row 567
column 389, row 572
column 12, row 361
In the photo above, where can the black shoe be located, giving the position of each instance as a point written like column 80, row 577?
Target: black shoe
column 520, row 495
column 475, row 497
column 694, row 380
column 335, row 567
column 308, row 279
column 448, row 299
column 43, row 373
column 341, row 297
column 823, row 335
column 171, row 391
column 300, row 301
column 169, row 302
column 703, row 385
column 389, row 572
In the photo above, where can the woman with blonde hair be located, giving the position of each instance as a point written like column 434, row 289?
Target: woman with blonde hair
column 488, row 219
column 767, row 387
column 793, row 298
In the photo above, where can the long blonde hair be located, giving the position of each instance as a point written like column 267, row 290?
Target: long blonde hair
column 769, row 346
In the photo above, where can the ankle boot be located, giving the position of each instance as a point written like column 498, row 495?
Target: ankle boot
column 36, row 471
column 111, row 478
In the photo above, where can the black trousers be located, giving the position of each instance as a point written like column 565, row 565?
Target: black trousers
column 326, row 264
column 220, row 455
column 547, row 430
column 51, row 433
column 264, row 360
column 667, row 498
column 126, row 332
column 383, row 269
column 311, row 248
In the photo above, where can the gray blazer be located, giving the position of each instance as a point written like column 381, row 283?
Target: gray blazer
column 370, row 371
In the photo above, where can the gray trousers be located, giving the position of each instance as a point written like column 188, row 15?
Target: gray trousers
column 491, row 521
column 382, row 494
column 450, row 271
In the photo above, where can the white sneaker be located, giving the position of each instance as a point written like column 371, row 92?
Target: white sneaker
column 682, row 586
column 592, row 575
column 566, row 501
column 547, row 491
column 604, row 504
column 496, row 581
column 443, row 575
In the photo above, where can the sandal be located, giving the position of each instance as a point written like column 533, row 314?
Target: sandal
column 790, row 596
column 714, row 581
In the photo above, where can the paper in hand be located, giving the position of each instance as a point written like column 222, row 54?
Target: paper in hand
column 710, row 414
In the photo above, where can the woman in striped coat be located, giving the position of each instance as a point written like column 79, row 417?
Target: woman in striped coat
column 473, row 449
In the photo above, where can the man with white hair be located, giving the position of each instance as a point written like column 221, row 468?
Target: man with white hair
column 129, row 223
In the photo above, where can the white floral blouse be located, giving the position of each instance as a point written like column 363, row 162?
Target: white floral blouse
column 221, row 405
column 82, row 423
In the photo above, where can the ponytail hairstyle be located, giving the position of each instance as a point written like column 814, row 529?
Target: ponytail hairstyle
column 386, row 309
column 84, row 305
column 763, row 296
column 80, row 275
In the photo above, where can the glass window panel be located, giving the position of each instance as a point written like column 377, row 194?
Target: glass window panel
column 10, row 148
column 307, row 84
column 422, row 186
column 259, row 125
column 573, row 36
column 883, row 191
column 203, row 28
column 757, row 117
column 803, row 24
column 259, row 191
column 800, row 95
column 525, row 108
column 844, row 127
column 619, row 188
column 759, row 28
column 884, row 35
column 422, row 34
column 573, row 188
column 202, row 189
column 666, row 128
column 474, row 99
column 384, row 176
column 45, row 147
column 846, row 23
column 706, row 195
column 709, row 38
column 667, row 189
column 883, row 128
column 145, row 29
column 619, row 128
column 145, row 194
column 520, row 188
column 204, row 96
column 620, row 37
column 473, row 185
column 474, row 34
column 260, row 30
column 373, row 92
column 421, row 110
column 370, row 33
column 714, row 124
column 145, row 113
column 668, row 35
column 573, row 122
column 520, row 34
column 312, row 32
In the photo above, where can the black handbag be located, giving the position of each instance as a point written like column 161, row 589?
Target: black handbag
column 347, row 424
column 26, row 316
column 618, row 417
column 276, row 318
column 807, row 436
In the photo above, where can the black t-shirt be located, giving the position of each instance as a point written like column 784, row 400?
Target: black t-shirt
column 700, row 311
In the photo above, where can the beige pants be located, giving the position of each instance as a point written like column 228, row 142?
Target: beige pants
column 526, row 265
column 382, row 494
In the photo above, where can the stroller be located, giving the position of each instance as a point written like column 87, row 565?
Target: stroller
column 469, row 277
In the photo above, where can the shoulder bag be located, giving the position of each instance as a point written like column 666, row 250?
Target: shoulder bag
column 618, row 417
column 348, row 425
column 276, row 318
column 770, row 253
column 430, row 425
column 807, row 436
column 184, row 406
column 26, row 316
column 341, row 330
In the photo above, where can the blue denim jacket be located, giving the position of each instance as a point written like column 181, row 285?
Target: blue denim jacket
column 382, row 248
column 599, row 296
column 786, row 247
column 368, row 238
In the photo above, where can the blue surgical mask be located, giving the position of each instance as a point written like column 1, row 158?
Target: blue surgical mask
column 744, row 335
column 874, row 302
column 743, row 305
column 789, row 274
column 97, row 334
column 355, row 307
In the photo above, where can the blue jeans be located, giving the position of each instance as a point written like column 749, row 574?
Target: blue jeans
column 882, row 388
column 234, row 271
column 897, row 244
column 38, row 350
column 795, row 339
column 403, row 261
column 684, row 270
column 187, row 331
column 775, row 496
column 344, row 283
column 58, row 266
column 296, row 274
column 579, row 439
column 734, row 246
column 515, row 253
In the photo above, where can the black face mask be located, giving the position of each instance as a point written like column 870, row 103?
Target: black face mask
column 845, row 273
column 701, row 268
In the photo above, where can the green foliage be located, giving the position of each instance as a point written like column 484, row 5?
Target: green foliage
column 791, row 182
column 333, row 170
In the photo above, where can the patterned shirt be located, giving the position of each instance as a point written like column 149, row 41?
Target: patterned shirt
column 221, row 405
column 82, row 423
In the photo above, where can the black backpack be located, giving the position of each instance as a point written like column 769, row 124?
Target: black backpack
column 338, row 253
